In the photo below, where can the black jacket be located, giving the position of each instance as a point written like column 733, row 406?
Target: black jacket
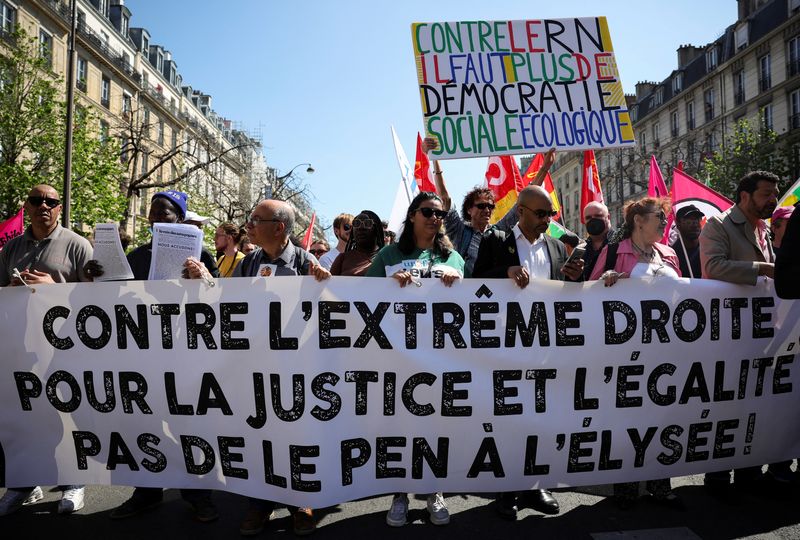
column 787, row 263
column 498, row 252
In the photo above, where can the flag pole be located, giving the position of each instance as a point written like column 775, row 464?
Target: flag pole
column 686, row 255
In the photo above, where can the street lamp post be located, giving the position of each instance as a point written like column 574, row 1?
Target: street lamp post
column 268, row 188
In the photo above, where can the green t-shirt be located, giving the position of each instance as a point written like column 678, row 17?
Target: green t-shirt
column 421, row 263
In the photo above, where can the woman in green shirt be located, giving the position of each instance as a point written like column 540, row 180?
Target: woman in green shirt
column 422, row 251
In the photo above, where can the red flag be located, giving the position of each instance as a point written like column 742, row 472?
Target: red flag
column 11, row 228
column 422, row 169
column 307, row 239
column 530, row 174
column 591, row 191
column 505, row 181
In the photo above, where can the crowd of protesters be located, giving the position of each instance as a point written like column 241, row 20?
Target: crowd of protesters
column 440, row 243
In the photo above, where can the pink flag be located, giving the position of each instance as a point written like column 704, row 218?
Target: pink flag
column 687, row 190
column 656, row 186
column 309, row 233
column 11, row 228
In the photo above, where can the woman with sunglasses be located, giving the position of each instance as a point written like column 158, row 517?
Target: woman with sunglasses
column 226, row 240
column 639, row 254
column 423, row 251
column 366, row 239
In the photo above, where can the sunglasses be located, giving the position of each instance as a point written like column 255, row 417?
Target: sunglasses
column 363, row 223
column 346, row 226
column 316, row 252
column 541, row 214
column 35, row 200
column 430, row 212
column 484, row 206
column 660, row 215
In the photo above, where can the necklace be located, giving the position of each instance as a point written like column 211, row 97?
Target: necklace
column 649, row 255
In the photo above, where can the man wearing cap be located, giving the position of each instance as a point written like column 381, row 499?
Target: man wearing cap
column 165, row 207
column 45, row 253
column 687, row 221
column 193, row 218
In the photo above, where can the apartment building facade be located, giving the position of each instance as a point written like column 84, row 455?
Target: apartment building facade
column 752, row 71
column 135, row 86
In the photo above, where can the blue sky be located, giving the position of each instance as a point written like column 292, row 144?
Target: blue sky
column 324, row 80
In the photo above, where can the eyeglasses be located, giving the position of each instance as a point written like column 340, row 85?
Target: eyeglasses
column 484, row 206
column 36, row 200
column 254, row 220
column 363, row 223
column 346, row 226
column 430, row 212
column 660, row 215
column 539, row 213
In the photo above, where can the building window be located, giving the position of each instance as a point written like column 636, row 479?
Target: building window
column 659, row 96
column 160, row 61
column 794, row 107
column 656, row 134
column 161, row 132
column 126, row 103
column 711, row 59
column 766, row 117
column 674, row 123
column 793, row 54
column 124, row 26
column 46, row 47
column 677, row 83
column 102, row 7
column 741, row 36
column 711, row 143
column 82, row 74
column 81, row 22
column 145, row 160
column 643, row 141
column 690, row 115
column 764, row 73
column 691, row 152
column 708, row 103
column 104, row 131
column 174, row 138
column 8, row 17
column 105, row 92
column 738, row 87
column 145, row 45
column 634, row 113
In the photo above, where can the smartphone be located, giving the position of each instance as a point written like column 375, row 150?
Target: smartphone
column 576, row 254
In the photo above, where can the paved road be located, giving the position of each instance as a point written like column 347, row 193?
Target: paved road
column 586, row 513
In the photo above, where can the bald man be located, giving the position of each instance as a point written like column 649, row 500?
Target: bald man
column 45, row 253
column 523, row 254
column 598, row 223
column 527, row 252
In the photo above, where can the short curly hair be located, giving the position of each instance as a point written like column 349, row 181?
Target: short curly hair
column 469, row 200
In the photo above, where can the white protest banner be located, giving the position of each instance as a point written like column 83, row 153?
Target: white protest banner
column 513, row 87
column 317, row 393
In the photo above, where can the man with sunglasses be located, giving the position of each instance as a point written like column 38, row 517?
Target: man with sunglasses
column 523, row 254
column 467, row 230
column 45, row 253
column 342, row 225
column 319, row 247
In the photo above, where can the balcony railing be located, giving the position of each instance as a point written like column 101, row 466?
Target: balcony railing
column 80, row 85
column 738, row 97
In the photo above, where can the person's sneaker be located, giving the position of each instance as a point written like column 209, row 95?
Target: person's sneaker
column 304, row 523
column 71, row 500
column 438, row 509
column 134, row 506
column 397, row 516
column 14, row 499
column 254, row 521
column 204, row 510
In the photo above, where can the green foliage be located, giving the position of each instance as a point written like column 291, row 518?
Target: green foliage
column 32, row 137
column 746, row 148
